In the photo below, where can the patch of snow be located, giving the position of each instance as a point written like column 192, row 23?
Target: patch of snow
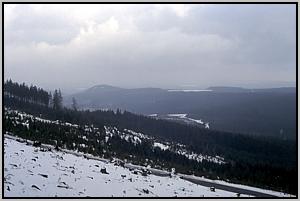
column 160, row 145
column 177, row 115
column 207, row 125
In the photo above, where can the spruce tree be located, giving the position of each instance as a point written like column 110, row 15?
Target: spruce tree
column 74, row 104
column 57, row 100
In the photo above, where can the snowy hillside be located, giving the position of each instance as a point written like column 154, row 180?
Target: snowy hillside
column 31, row 171
column 126, row 135
column 93, row 158
column 43, row 171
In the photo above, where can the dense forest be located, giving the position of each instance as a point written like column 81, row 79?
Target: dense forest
column 260, row 161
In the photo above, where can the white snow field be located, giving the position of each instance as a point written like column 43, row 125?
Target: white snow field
column 32, row 172
column 184, row 117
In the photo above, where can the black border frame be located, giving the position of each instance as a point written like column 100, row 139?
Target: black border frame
column 140, row 2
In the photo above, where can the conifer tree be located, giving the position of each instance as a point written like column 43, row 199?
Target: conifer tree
column 57, row 100
column 74, row 104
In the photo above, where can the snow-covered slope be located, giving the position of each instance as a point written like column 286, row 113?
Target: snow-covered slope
column 31, row 171
column 22, row 118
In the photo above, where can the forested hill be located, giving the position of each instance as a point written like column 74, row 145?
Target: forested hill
column 262, row 112
column 250, row 159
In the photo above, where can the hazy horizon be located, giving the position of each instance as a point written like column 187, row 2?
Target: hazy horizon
column 178, row 46
column 70, row 91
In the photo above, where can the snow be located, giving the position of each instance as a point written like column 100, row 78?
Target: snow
column 184, row 116
column 160, row 145
column 177, row 115
column 198, row 121
column 26, row 124
column 31, row 172
column 207, row 125
column 23, row 116
column 200, row 157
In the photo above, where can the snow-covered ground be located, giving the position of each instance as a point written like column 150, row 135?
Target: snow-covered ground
column 30, row 171
column 68, row 171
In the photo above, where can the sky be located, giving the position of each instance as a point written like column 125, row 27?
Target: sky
column 73, row 47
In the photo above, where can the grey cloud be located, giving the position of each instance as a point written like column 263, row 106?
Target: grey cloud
column 32, row 26
column 141, row 46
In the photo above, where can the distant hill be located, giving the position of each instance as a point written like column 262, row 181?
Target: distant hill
column 105, row 96
column 268, row 112
column 246, row 90
column 278, row 90
column 228, row 89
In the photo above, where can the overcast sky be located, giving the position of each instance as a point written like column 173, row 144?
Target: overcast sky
column 170, row 46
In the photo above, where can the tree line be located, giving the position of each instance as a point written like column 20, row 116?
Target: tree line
column 33, row 94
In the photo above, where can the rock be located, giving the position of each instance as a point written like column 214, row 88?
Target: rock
column 34, row 186
column 37, row 144
column 20, row 140
column 14, row 165
column 146, row 191
column 122, row 164
column 63, row 185
column 43, row 175
column 136, row 171
column 103, row 171
column 212, row 189
column 123, row 176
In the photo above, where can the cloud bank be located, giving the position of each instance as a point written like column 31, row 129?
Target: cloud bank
column 77, row 46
